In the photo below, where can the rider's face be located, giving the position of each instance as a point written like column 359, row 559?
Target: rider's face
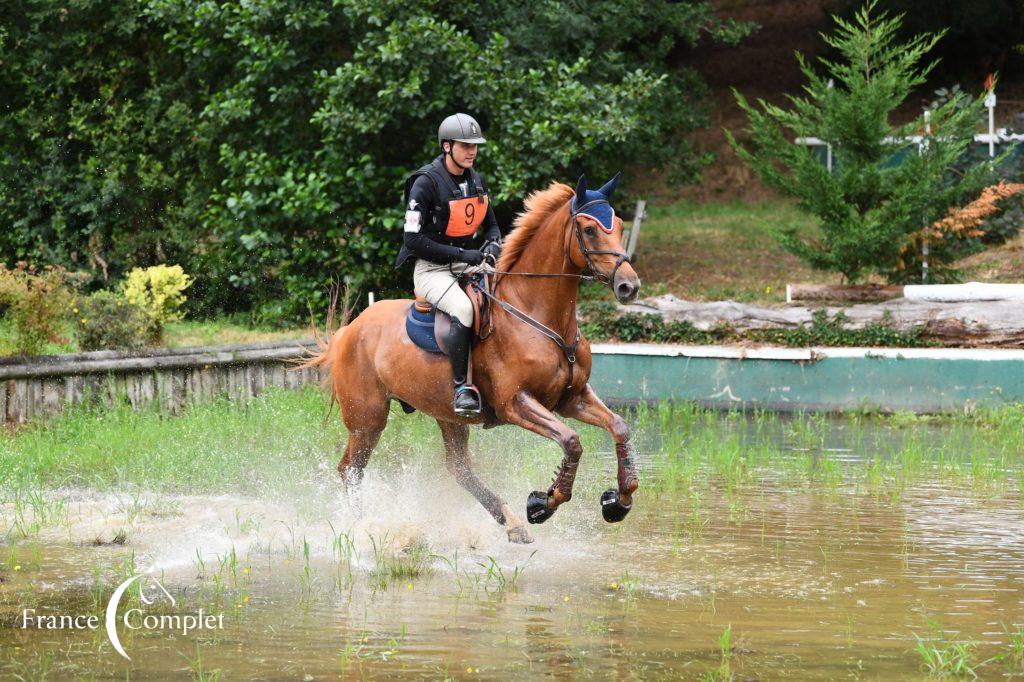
column 464, row 153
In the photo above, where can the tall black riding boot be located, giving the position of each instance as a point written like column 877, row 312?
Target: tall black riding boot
column 467, row 400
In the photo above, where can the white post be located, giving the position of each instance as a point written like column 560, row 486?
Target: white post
column 925, row 140
column 369, row 297
column 990, row 102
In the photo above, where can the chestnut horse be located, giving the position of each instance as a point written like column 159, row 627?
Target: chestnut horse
column 524, row 378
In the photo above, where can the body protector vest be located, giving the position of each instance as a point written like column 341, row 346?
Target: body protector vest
column 453, row 218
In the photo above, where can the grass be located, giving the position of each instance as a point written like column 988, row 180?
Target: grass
column 718, row 251
column 279, row 444
column 212, row 332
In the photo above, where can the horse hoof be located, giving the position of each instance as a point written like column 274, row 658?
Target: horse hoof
column 612, row 509
column 537, row 507
column 519, row 535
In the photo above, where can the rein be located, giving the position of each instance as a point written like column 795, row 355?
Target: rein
column 568, row 349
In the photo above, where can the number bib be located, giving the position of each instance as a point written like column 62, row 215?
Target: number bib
column 465, row 215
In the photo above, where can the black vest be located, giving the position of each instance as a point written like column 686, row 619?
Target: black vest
column 445, row 190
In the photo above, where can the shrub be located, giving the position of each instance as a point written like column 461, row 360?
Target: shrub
column 38, row 301
column 264, row 144
column 602, row 322
column 160, row 291
column 106, row 320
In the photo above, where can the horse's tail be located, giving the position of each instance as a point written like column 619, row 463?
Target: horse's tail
column 333, row 332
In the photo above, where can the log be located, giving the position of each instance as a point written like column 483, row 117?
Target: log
column 972, row 291
column 853, row 293
column 992, row 324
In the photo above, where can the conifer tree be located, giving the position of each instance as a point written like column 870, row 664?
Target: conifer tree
column 882, row 186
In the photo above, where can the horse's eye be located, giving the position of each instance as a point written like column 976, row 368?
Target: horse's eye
column 589, row 230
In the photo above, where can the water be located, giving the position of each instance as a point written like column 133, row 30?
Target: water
column 809, row 566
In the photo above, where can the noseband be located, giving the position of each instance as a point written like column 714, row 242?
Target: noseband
column 623, row 257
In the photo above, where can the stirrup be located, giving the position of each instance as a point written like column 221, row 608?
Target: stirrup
column 466, row 412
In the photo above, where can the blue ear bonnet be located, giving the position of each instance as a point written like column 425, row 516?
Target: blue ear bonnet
column 594, row 203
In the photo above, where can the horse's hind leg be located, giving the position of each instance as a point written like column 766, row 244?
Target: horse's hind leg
column 365, row 422
column 459, row 463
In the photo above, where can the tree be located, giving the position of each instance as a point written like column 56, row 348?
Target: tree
column 262, row 145
column 881, row 189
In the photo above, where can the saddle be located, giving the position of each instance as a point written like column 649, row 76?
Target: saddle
column 428, row 327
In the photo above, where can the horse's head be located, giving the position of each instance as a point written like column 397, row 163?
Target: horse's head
column 598, row 242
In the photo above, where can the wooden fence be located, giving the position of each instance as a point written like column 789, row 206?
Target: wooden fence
column 171, row 377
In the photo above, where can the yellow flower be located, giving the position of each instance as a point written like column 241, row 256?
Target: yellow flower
column 74, row 310
column 565, row 599
column 615, row 586
column 767, row 290
column 245, row 599
column 469, row 670
column 17, row 567
column 84, row 320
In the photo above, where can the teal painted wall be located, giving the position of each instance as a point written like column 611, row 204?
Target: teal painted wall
column 829, row 384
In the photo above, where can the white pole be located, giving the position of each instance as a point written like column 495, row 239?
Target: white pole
column 990, row 102
column 369, row 296
column 925, row 139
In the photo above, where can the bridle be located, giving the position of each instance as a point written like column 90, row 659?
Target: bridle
column 569, row 349
column 623, row 257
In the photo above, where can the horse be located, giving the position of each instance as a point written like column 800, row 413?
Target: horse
column 526, row 380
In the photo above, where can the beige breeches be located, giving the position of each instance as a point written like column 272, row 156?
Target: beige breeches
column 437, row 284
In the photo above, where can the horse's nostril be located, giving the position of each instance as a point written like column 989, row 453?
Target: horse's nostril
column 624, row 290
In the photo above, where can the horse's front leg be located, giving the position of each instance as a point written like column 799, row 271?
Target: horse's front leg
column 590, row 409
column 524, row 410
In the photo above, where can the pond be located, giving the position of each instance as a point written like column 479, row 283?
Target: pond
column 760, row 546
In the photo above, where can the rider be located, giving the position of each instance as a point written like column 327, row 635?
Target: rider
column 446, row 205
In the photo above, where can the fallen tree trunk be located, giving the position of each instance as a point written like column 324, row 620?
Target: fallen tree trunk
column 854, row 293
column 995, row 323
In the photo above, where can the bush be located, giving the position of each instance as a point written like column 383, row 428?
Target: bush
column 602, row 322
column 160, row 292
column 879, row 192
column 38, row 300
column 264, row 144
column 105, row 320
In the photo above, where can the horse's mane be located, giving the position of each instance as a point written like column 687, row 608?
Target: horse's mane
column 539, row 205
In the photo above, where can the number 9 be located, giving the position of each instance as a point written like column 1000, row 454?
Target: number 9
column 470, row 213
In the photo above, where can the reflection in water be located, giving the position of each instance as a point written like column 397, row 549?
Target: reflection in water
column 817, row 572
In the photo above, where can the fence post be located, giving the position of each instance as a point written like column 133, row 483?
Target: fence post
column 990, row 103
column 634, row 232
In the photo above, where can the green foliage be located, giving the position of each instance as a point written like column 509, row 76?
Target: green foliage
column 38, row 301
column 160, row 292
column 263, row 145
column 943, row 658
column 106, row 321
column 879, row 191
column 601, row 322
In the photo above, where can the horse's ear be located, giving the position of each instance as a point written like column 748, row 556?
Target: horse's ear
column 610, row 186
column 581, row 189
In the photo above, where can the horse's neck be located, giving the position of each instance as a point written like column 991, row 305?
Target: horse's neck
column 549, row 300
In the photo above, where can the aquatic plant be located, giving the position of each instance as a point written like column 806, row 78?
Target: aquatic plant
column 945, row 658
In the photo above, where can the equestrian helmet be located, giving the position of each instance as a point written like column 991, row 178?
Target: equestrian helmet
column 460, row 128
